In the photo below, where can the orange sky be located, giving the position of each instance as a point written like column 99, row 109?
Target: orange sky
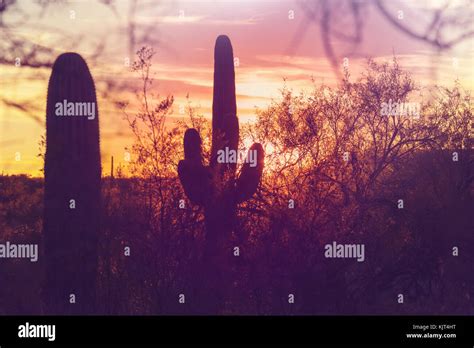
column 183, row 34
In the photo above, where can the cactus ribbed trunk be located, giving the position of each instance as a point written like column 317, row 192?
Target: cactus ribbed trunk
column 220, row 218
column 72, row 173
column 225, row 125
column 215, row 187
column 220, row 211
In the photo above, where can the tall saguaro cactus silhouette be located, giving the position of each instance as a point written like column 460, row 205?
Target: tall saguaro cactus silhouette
column 72, row 174
column 216, row 187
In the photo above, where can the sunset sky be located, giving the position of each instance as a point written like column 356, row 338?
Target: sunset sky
column 183, row 34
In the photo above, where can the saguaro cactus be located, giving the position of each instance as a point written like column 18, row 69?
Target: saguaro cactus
column 215, row 187
column 72, row 174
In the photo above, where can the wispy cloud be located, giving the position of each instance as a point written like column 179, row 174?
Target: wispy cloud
column 202, row 20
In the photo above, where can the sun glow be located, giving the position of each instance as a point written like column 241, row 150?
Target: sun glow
column 183, row 36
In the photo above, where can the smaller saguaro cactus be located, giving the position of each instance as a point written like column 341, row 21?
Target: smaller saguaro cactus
column 205, row 184
column 72, row 173
column 215, row 187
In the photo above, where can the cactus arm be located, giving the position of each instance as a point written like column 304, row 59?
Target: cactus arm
column 249, row 178
column 194, row 176
column 192, row 146
column 195, row 179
